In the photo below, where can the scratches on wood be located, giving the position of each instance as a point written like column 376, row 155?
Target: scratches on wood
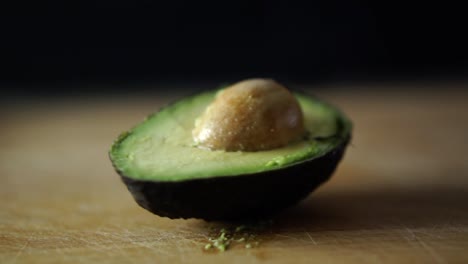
column 311, row 239
column 412, row 236
column 20, row 251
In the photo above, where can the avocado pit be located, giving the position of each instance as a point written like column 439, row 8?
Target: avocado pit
column 251, row 115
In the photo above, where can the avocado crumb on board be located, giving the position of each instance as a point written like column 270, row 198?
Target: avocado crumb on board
column 241, row 236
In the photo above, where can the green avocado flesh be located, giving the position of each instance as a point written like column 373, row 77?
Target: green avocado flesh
column 162, row 148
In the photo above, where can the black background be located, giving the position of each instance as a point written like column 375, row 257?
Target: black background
column 49, row 46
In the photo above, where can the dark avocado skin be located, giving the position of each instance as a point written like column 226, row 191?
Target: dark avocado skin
column 236, row 198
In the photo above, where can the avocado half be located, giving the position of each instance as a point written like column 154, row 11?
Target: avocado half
column 170, row 176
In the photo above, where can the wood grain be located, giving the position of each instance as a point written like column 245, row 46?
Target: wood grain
column 400, row 195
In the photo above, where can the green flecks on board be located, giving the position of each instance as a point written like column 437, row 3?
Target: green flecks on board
column 245, row 235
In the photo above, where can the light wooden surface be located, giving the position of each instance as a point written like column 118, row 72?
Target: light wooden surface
column 399, row 196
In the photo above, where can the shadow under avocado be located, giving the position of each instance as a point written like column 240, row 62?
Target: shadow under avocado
column 426, row 206
column 353, row 210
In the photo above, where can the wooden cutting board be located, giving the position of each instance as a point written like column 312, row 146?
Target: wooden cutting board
column 399, row 196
